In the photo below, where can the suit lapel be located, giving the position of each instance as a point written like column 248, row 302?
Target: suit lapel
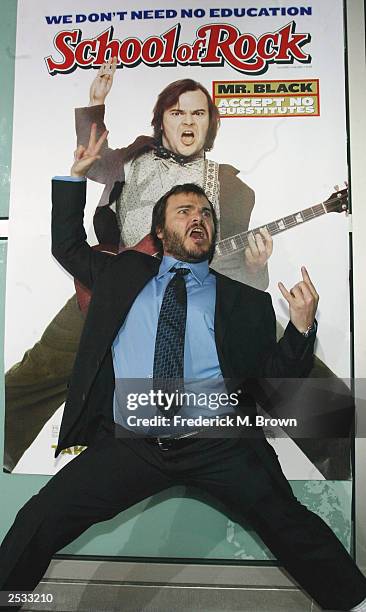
column 120, row 286
column 127, row 283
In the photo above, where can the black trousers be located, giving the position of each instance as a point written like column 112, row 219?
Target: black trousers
column 114, row 474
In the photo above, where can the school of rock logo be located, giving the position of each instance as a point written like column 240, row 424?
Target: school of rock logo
column 215, row 45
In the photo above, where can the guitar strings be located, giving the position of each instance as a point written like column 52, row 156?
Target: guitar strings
column 240, row 241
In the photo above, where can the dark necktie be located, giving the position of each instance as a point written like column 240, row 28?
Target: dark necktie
column 168, row 370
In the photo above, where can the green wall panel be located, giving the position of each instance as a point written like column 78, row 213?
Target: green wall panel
column 8, row 11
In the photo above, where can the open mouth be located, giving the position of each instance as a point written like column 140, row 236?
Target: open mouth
column 187, row 137
column 197, row 234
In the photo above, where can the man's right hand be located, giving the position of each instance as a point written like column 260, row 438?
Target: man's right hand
column 85, row 157
column 102, row 83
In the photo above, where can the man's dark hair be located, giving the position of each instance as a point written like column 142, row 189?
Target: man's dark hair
column 159, row 210
column 170, row 96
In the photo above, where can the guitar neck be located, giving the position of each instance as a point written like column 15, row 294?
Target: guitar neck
column 240, row 241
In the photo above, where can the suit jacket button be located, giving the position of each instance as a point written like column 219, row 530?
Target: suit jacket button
column 83, row 397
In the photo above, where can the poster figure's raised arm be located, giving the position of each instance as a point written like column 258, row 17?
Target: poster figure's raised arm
column 109, row 169
column 110, row 162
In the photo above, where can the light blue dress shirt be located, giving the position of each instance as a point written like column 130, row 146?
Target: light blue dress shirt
column 134, row 345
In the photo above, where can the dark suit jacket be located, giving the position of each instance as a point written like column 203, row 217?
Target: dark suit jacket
column 244, row 323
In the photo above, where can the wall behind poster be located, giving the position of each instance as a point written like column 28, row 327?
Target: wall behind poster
column 290, row 162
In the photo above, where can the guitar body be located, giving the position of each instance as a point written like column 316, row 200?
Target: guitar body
column 83, row 294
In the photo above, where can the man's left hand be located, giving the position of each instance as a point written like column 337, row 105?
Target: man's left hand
column 302, row 300
column 259, row 251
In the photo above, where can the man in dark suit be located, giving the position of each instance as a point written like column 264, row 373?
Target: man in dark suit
column 228, row 333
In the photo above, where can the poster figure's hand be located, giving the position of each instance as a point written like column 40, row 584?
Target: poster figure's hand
column 102, row 83
column 302, row 300
column 259, row 250
column 85, row 157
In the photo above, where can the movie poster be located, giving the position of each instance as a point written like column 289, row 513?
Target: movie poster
column 275, row 72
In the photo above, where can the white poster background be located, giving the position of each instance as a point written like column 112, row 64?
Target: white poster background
column 290, row 162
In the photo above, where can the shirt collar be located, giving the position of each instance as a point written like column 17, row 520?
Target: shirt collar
column 200, row 270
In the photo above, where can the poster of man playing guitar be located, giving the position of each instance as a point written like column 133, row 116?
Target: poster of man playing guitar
column 290, row 163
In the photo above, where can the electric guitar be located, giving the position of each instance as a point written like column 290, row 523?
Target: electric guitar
column 337, row 202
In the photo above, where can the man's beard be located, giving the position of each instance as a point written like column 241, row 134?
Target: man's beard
column 174, row 245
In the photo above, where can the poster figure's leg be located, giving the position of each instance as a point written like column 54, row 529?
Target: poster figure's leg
column 36, row 387
column 327, row 401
